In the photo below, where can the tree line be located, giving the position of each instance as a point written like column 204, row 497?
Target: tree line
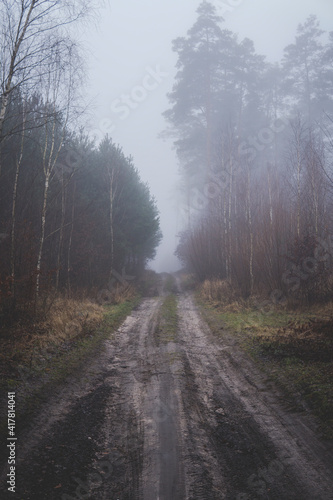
column 254, row 142
column 71, row 211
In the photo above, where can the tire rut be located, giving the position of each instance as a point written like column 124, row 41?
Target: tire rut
column 261, row 450
column 176, row 418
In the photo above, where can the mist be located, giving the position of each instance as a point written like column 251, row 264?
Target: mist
column 166, row 248
column 131, row 55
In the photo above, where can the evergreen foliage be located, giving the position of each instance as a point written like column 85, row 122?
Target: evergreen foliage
column 254, row 142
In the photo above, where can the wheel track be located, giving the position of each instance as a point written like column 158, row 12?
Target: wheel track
column 188, row 419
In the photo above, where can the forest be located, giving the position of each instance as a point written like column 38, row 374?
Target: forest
column 208, row 381
column 254, row 143
column 72, row 211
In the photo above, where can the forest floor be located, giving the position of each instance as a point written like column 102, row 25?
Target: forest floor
column 168, row 410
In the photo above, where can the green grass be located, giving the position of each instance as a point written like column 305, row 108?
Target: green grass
column 168, row 321
column 293, row 348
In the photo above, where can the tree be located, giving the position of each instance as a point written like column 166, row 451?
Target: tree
column 216, row 94
column 306, row 72
column 259, row 214
column 195, row 93
column 59, row 86
column 31, row 30
column 18, row 161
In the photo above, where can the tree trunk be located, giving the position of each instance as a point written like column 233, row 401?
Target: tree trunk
column 70, row 243
column 42, row 235
column 13, row 219
column 111, row 200
column 61, row 230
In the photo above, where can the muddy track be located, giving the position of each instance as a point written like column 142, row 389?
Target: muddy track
column 155, row 419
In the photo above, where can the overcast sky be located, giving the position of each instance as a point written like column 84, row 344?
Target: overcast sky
column 131, row 68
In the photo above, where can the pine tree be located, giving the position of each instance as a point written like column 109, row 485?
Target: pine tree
column 303, row 66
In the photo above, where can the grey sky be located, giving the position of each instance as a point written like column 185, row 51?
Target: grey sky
column 131, row 68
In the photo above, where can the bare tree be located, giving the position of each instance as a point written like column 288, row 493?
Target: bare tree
column 59, row 85
column 29, row 32
column 296, row 165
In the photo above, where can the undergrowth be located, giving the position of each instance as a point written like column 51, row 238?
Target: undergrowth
column 38, row 358
column 294, row 347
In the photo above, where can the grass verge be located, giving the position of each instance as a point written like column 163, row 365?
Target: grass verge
column 42, row 365
column 294, row 348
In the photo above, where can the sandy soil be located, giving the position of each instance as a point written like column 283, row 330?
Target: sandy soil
column 153, row 419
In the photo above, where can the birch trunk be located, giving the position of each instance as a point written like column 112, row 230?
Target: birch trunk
column 70, row 243
column 50, row 156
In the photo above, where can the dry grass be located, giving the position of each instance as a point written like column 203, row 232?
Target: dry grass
column 36, row 356
column 219, row 292
column 294, row 347
column 323, row 311
column 188, row 281
column 117, row 295
column 59, row 324
column 67, row 320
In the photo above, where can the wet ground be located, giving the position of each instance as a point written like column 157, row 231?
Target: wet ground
column 184, row 419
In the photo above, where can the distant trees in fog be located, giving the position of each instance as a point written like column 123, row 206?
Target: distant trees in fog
column 254, row 145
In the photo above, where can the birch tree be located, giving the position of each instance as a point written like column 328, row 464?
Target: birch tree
column 29, row 31
column 60, row 88
column 296, row 163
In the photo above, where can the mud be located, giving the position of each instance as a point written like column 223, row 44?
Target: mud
column 154, row 419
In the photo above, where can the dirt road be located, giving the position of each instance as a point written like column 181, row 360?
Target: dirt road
column 160, row 419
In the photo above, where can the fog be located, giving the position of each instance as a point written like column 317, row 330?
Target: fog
column 131, row 68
